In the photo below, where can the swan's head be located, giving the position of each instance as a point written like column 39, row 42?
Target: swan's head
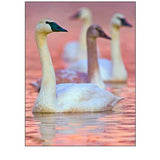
column 82, row 13
column 47, row 26
column 95, row 31
column 118, row 20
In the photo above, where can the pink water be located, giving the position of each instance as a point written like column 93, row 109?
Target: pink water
column 105, row 128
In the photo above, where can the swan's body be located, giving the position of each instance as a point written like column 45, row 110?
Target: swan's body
column 114, row 70
column 76, row 50
column 72, row 97
column 69, row 76
column 68, row 97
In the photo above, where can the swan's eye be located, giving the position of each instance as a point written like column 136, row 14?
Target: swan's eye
column 48, row 22
column 97, row 29
column 119, row 18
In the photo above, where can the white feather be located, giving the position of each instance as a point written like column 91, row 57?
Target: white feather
column 86, row 97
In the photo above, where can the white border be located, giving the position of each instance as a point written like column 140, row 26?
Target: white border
column 12, row 71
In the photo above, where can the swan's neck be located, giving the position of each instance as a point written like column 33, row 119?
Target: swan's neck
column 93, row 67
column 117, row 62
column 115, row 46
column 47, row 93
column 82, row 40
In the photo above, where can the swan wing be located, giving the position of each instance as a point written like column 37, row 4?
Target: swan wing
column 85, row 97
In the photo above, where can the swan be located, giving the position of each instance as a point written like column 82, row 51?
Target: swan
column 114, row 70
column 76, row 50
column 93, row 76
column 67, row 97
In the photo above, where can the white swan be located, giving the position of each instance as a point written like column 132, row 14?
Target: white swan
column 77, row 50
column 93, row 76
column 67, row 97
column 114, row 70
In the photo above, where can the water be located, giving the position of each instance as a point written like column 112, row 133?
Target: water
column 116, row 128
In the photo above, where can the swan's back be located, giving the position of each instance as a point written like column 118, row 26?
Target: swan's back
column 79, row 66
column 105, row 67
column 65, row 76
column 85, row 97
column 70, row 51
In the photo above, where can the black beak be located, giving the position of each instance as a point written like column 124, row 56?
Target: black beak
column 104, row 35
column 125, row 23
column 75, row 16
column 63, row 30
column 55, row 27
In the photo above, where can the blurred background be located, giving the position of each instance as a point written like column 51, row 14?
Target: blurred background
column 60, row 12
column 117, row 128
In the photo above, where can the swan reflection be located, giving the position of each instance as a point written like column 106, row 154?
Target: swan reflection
column 52, row 126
